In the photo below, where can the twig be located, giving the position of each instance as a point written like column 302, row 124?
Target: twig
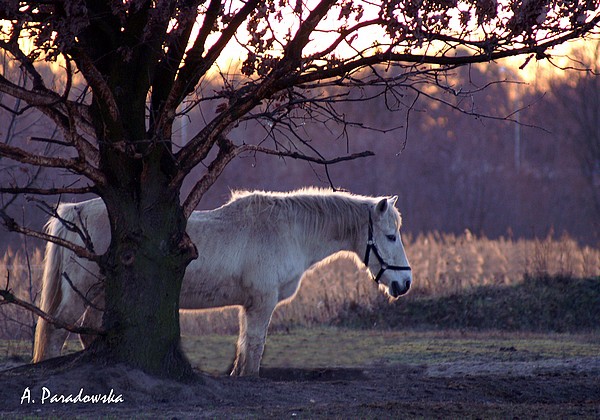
column 300, row 156
column 49, row 140
column 52, row 211
column 81, row 295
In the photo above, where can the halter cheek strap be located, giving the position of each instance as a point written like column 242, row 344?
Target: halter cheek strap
column 372, row 247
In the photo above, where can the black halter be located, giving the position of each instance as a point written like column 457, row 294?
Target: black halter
column 371, row 246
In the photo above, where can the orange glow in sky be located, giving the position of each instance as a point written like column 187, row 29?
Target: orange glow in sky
column 230, row 61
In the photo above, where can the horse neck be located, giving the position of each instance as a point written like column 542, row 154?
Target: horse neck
column 321, row 244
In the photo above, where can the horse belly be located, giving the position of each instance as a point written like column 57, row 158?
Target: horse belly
column 290, row 280
column 204, row 291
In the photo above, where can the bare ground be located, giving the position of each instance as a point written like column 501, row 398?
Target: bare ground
column 560, row 388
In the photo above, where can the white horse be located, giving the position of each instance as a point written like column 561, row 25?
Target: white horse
column 252, row 251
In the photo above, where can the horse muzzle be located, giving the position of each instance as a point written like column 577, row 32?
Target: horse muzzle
column 397, row 290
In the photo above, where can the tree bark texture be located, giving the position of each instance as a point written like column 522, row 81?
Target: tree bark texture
column 143, row 269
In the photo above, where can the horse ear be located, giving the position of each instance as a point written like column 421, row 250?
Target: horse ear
column 382, row 206
column 393, row 200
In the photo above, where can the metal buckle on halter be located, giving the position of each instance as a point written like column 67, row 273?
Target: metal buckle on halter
column 371, row 246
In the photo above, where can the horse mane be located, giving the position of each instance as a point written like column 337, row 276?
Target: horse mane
column 317, row 209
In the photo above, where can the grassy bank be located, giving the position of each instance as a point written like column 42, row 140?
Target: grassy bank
column 543, row 304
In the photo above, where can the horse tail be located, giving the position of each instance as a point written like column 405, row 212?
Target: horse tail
column 51, row 295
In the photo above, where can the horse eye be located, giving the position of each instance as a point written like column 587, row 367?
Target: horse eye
column 391, row 237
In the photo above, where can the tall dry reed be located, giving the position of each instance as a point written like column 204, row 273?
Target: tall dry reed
column 442, row 264
column 21, row 272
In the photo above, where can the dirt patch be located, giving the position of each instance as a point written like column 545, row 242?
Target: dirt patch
column 468, row 390
column 307, row 375
column 578, row 366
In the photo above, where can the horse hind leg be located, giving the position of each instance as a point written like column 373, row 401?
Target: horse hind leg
column 254, row 323
column 240, row 348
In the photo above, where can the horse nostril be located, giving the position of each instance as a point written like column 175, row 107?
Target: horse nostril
column 395, row 289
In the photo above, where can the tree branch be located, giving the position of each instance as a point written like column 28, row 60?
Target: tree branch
column 168, row 66
column 83, row 297
column 344, row 33
column 80, row 251
column 199, row 147
column 99, row 86
column 37, row 98
column 196, row 65
column 48, row 191
column 293, row 50
column 300, row 156
column 9, row 297
column 12, row 47
column 75, row 165
column 328, row 72
column 227, row 151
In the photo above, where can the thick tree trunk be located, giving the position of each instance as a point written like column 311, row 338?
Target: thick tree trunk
column 144, row 265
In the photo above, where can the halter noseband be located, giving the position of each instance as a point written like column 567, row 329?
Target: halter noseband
column 371, row 246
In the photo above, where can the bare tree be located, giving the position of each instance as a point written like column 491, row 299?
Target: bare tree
column 143, row 64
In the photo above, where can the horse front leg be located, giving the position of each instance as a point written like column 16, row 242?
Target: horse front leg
column 92, row 318
column 254, row 322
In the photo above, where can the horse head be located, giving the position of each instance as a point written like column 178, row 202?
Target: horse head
column 385, row 244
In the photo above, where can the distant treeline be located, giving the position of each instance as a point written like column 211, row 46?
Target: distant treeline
column 455, row 171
